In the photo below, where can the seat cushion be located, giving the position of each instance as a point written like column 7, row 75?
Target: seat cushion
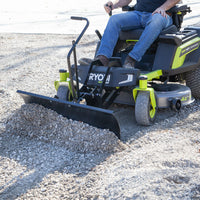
column 134, row 34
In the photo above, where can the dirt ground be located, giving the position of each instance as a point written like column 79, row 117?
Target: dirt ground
column 157, row 162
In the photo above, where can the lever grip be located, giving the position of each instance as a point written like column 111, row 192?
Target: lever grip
column 110, row 13
column 77, row 18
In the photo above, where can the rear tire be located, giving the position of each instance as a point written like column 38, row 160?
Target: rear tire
column 63, row 93
column 193, row 82
column 144, row 113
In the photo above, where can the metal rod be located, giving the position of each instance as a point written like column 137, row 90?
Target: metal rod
column 104, row 79
column 71, row 50
column 76, row 71
column 71, row 77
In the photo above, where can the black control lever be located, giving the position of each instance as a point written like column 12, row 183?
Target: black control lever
column 73, row 49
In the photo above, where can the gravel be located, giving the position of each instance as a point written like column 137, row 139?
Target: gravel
column 35, row 121
column 46, row 156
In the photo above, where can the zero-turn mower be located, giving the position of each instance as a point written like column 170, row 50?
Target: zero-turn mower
column 85, row 91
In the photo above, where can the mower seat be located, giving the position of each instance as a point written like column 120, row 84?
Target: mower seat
column 128, row 33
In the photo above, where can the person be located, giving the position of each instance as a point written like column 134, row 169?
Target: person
column 148, row 14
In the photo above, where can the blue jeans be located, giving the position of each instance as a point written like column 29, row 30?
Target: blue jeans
column 152, row 24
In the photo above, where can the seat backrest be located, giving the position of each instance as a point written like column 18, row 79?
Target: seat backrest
column 178, row 12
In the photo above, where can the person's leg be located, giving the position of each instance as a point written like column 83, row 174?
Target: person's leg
column 153, row 24
column 113, row 29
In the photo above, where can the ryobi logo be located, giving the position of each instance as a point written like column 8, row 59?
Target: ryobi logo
column 189, row 48
column 99, row 78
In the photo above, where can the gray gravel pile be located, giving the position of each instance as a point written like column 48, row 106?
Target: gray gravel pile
column 35, row 121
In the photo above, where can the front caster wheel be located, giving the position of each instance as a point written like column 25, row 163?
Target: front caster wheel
column 63, row 93
column 144, row 112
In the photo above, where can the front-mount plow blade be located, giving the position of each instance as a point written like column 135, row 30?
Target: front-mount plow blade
column 98, row 117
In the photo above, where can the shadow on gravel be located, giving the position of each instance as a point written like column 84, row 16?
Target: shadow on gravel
column 165, row 119
column 36, row 54
column 37, row 143
column 26, row 162
column 28, row 57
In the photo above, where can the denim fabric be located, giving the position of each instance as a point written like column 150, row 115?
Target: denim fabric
column 152, row 24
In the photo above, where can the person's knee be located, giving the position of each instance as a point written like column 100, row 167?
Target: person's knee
column 113, row 20
column 158, row 21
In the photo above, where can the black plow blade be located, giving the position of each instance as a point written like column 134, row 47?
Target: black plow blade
column 98, row 117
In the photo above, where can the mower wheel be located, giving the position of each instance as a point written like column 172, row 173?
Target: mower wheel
column 144, row 114
column 193, row 82
column 63, row 93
